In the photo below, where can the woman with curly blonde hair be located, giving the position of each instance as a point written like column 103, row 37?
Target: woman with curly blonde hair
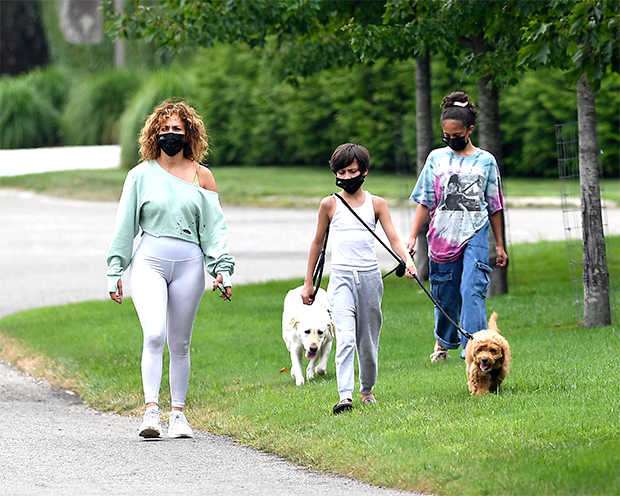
column 173, row 201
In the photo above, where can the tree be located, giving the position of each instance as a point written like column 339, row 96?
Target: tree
column 582, row 38
column 486, row 43
column 22, row 40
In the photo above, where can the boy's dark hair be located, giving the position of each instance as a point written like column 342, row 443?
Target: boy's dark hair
column 346, row 154
column 457, row 106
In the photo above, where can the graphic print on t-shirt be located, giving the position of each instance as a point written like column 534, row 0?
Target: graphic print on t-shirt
column 461, row 192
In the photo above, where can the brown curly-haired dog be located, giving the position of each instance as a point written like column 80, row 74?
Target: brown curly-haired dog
column 487, row 358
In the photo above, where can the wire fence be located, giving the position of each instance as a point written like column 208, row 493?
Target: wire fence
column 567, row 142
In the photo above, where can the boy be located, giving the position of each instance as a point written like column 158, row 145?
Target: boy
column 355, row 287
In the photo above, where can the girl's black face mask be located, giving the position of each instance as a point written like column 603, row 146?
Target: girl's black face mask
column 351, row 185
column 171, row 143
column 457, row 143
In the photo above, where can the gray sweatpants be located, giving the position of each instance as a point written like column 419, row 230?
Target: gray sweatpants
column 355, row 298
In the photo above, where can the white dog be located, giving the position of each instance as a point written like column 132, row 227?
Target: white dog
column 308, row 328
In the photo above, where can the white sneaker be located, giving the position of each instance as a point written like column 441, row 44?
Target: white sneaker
column 178, row 426
column 151, row 424
column 439, row 353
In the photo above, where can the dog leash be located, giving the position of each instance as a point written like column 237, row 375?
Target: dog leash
column 400, row 269
column 318, row 269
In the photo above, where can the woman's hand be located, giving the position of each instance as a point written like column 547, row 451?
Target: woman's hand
column 118, row 296
column 228, row 290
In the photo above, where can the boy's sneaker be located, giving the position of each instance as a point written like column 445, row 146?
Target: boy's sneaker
column 151, row 424
column 439, row 353
column 178, row 426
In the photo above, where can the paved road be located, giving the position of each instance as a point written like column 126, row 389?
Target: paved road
column 52, row 252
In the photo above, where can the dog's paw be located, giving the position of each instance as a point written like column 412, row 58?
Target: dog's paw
column 321, row 370
column 300, row 381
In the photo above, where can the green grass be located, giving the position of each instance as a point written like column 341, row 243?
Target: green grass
column 553, row 429
column 263, row 186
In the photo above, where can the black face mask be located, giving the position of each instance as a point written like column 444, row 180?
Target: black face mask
column 351, row 185
column 171, row 143
column 457, row 143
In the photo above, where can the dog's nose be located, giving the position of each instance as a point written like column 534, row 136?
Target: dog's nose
column 313, row 349
column 484, row 360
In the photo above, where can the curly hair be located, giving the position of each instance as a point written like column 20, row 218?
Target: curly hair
column 457, row 106
column 196, row 138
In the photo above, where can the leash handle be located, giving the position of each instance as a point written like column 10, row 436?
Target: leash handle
column 400, row 270
column 458, row 328
column 318, row 270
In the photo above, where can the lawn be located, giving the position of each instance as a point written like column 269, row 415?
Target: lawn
column 263, row 186
column 553, row 429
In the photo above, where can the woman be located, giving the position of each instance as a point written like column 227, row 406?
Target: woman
column 174, row 202
column 460, row 187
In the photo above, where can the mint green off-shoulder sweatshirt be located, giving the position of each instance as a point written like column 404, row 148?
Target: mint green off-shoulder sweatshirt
column 161, row 204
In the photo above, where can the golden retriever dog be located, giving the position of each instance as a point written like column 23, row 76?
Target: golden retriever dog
column 307, row 329
column 487, row 358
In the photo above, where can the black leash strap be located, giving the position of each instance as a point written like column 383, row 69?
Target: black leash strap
column 318, row 270
column 458, row 327
column 400, row 269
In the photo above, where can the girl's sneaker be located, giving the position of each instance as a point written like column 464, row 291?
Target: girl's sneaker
column 151, row 424
column 439, row 353
column 178, row 426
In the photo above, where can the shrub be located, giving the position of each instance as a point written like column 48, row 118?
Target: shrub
column 53, row 83
column 92, row 114
column 157, row 87
column 27, row 118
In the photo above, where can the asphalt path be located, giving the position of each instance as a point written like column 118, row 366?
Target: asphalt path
column 52, row 252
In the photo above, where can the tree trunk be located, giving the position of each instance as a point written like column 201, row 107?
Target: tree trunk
column 119, row 45
column 424, row 140
column 597, row 311
column 490, row 139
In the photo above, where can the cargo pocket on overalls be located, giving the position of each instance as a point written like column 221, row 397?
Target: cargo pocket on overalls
column 481, row 280
column 440, row 283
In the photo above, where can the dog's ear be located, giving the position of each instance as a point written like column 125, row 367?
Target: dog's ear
column 493, row 322
column 292, row 325
column 332, row 327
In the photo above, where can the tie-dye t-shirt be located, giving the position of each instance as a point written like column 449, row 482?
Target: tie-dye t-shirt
column 460, row 193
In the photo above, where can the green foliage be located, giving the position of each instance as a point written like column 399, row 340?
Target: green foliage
column 541, row 434
column 92, row 114
column 580, row 37
column 90, row 58
column 531, row 109
column 52, row 83
column 27, row 118
column 156, row 88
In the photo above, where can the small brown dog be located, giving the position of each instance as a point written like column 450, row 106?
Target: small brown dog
column 487, row 358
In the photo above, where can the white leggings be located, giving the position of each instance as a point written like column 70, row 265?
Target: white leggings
column 167, row 283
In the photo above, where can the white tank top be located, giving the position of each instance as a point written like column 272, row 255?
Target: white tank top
column 353, row 247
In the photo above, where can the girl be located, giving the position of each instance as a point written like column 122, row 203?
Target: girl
column 460, row 187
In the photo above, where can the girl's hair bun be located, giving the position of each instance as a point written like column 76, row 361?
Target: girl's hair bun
column 458, row 106
column 457, row 99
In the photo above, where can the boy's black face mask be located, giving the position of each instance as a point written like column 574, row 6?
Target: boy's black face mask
column 171, row 143
column 351, row 185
